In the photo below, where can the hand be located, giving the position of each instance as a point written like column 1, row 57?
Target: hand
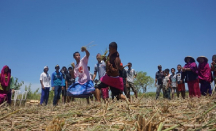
column 73, row 65
column 183, row 69
column 83, row 48
column 62, row 87
column 53, row 88
column 213, row 63
column 155, row 85
column 43, row 87
column 181, row 82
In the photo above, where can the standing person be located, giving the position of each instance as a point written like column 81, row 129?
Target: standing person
column 100, row 68
column 123, row 74
column 173, row 83
column 57, row 83
column 131, row 75
column 159, row 76
column 6, row 85
column 112, row 78
column 180, row 81
column 213, row 69
column 45, row 86
column 204, row 75
column 64, row 91
column 191, row 76
column 69, row 81
column 166, row 84
column 84, row 87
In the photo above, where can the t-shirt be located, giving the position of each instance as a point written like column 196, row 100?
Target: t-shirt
column 130, row 75
column 81, row 71
column 159, row 76
column 179, row 77
column 100, row 68
column 57, row 79
column 69, row 79
column 45, row 78
column 165, row 80
column 173, row 80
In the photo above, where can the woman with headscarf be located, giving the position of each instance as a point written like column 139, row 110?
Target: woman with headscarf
column 6, row 84
column 191, row 76
column 204, row 75
column 213, row 67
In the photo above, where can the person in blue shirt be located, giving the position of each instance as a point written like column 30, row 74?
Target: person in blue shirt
column 57, row 83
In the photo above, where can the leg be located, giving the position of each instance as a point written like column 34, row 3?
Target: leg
column 42, row 96
column 134, row 90
column 55, row 95
column 47, row 99
column 59, row 93
column 158, row 91
column 87, row 99
column 97, row 91
column 118, row 93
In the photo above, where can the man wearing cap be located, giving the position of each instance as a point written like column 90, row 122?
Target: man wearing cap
column 57, row 83
column 159, row 81
column 45, row 86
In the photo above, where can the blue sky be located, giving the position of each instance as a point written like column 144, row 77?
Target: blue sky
column 35, row 33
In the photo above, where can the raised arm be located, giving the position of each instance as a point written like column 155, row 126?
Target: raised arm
column 86, row 51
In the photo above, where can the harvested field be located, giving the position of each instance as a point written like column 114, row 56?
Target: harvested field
column 144, row 114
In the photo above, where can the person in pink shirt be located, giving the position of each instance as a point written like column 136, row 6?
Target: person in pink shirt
column 84, row 87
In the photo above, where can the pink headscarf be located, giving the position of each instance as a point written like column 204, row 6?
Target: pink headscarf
column 204, row 72
column 3, row 81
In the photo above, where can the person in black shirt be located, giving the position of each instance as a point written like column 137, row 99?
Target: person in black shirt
column 69, row 81
column 159, row 81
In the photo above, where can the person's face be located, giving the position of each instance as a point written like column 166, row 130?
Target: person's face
column 129, row 65
column 57, row 68
column 46, row 69
column 179, row 68
column 201, row 60
column 173, row 71
column 6, row 70
column 99, row 58
column 188, row 60
column 64, row 69
column 214, row 59
column 70, row 70
column 159, row 68
column 111, row 50
column 77, row 56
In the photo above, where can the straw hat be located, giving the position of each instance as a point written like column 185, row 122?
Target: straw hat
column 206, row 59
column 192, row 59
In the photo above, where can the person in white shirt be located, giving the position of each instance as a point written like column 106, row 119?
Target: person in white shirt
column 45, row 86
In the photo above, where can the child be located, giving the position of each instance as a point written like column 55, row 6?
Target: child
column 57, row 83
column 112, row 78
column 173, row 83
column 84, row 87
column 166, row 84
column 180, row 82
column 204, row 75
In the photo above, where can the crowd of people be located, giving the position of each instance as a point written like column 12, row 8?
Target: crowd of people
column 114, row 77
column 198, row 79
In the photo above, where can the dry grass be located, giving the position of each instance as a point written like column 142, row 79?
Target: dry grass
column 141, row 115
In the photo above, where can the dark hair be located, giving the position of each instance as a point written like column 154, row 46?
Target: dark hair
column 167, row 70
column 172, row 69
column 70, row 68
column 89, row 67
column 178, row 65
column 75, row 53
column 113, row 45
column 130, row 63
column 98, row 55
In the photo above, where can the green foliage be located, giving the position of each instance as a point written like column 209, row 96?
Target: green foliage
column 17, row 85
column 143, row 81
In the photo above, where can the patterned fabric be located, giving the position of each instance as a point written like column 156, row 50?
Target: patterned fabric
column 81, row 91
column 3, row 80
column 193, row 87
column 105, row 93
column 204, row 72
column 116, row 82
column 3, row 97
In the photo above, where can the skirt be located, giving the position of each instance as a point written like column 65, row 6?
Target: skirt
column 81, row 91
column 116, row 82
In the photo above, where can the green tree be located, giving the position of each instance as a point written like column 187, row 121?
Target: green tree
column 143, row 81
column 17, row 84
